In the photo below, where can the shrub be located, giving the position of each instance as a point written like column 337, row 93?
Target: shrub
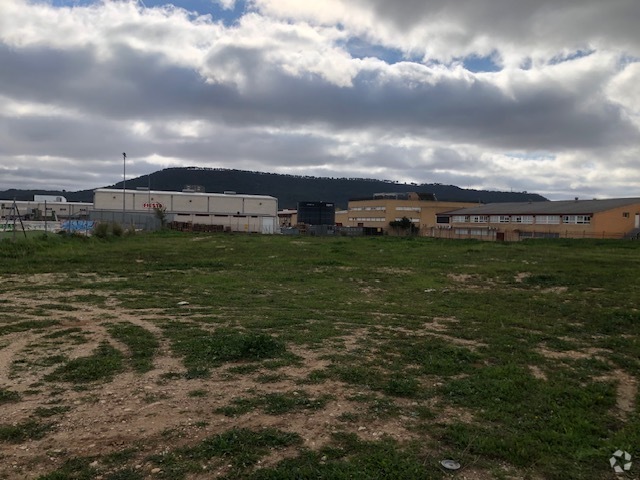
column 117, row 229
column 101, row 230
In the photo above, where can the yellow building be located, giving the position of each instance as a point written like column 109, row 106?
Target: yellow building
column 287, row 218
column 610, row 218
column 379, row 212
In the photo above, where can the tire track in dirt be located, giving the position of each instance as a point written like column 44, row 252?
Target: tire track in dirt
column 10, row 351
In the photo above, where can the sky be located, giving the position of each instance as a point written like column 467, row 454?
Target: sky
column 514, row 95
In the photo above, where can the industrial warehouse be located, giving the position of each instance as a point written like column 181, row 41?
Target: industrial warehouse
column 192, row 210
column 228, row 211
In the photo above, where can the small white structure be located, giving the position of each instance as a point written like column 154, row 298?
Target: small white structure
column 42, row 206
column 49, row 198
column 235, row 212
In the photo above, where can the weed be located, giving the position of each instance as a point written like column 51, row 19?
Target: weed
column 270, row 378
column 142, row 344
column 44, row 412
column 198, row 393
column 26, row 325
column 241, row 448
column 63, row 333
column 275, row 403
column 8, row 396
column 105, row 362
column 202, row 349
column 349, row 457
column 73, row 469
column 28, row 430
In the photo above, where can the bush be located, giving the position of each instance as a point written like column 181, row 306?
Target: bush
column 117, row 229
column 101, row 230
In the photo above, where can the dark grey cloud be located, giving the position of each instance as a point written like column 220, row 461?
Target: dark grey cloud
column 251, row 98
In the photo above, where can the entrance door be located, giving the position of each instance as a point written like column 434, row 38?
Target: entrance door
column 637, row 220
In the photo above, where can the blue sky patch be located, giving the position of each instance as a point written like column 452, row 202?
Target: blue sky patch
column 570, row 56
column 533, row 156
column 201, row 7
column 359, row 48
column 477, row 64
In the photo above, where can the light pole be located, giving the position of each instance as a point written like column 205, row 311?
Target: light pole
column 124, row 183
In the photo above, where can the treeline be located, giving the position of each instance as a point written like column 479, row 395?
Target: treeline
column 288, row 189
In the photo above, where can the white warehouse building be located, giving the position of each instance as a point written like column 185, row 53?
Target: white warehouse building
column 231, row 211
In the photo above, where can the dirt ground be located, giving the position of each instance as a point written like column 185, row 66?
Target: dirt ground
column 157, row 411
column 148, row 412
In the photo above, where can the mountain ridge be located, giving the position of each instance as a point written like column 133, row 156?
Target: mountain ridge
column 288, row 189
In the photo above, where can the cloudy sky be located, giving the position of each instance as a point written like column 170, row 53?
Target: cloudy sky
column 535, row 95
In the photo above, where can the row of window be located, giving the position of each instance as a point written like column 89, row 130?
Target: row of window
column 377, row 209
column 478, row 232
column 524, row 219
column 367, row 219
column 384, row 209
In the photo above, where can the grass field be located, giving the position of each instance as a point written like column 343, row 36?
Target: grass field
column 192, row 356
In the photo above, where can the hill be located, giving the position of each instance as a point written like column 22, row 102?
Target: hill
column 288, row 189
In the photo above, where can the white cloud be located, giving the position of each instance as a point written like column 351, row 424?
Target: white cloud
column 358, row 88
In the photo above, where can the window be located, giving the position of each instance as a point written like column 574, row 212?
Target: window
column 461, row 231
column 376, row 209
column 548, row 219
column 459, row 219
column 500, row 218
column 414, row 220
column 577, row 219
column 625, row 214
column 367, row 219
column 478, row 219
column 409, row 209
column 442, row 219
column 522, row 218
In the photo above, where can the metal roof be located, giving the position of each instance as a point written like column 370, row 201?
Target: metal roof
column 562, row 207
column 197, row 194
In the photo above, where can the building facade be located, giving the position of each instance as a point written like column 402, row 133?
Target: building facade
column 53, row 208
column 316, row 213
column 609, row 218
column 229, row 210
column 422, row 210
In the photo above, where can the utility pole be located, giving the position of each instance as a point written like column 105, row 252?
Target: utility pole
column 124, row 183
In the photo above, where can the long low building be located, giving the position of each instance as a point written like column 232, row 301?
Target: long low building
column 231, row 211
column 609, row 218
column 41, row 207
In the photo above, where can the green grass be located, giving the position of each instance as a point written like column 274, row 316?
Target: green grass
column 45, row 412
column 8, row 396
column 240, row 448
column 439, row 337
column 27, row 430
column 142, row 344
column 275, row 403
column 348, row 457
column 26, row 326
column 203, row 350
column 102, row 365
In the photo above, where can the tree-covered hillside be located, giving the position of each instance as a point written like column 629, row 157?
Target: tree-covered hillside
column 288, row 189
